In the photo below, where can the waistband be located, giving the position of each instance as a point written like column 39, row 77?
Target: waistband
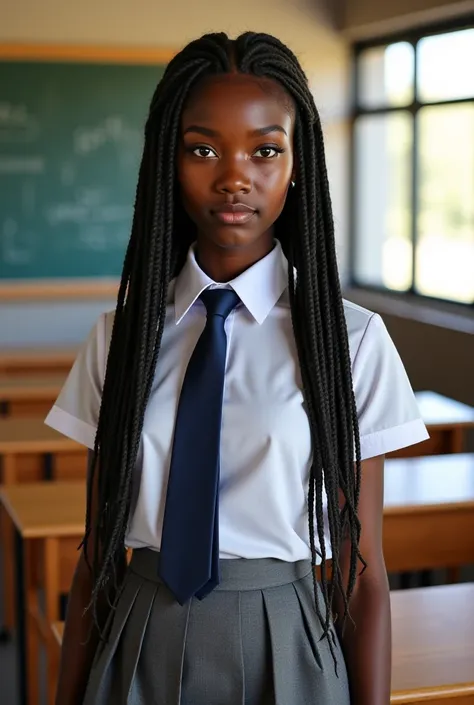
column 236, row 574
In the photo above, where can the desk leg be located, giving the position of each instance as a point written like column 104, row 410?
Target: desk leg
column 9, row 574
column 8, row 466
column 32, row 626
column 52, row 597
column 21, row 618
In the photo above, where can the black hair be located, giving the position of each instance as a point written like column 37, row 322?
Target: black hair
column 160, row 239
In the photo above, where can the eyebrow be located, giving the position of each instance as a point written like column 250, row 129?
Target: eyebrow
column 207, row 132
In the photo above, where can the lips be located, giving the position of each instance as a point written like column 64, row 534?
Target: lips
column 234, row 213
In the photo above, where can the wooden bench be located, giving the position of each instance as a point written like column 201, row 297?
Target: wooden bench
column 433, row 645
column 429, row 512
column 28, row 396
column 447, row 422
column 22, row 362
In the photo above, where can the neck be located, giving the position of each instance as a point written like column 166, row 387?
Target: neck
column 224, row 265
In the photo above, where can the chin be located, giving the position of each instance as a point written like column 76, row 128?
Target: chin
column 234, row 238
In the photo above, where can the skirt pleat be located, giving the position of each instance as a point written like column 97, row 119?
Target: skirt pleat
column 254, row 640
column 107, row 660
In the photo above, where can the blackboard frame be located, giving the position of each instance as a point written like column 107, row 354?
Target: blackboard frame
column 71, row 53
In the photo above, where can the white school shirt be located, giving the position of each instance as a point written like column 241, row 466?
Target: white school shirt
column 265, row 443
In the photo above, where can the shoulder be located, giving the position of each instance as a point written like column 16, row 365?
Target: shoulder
column 365, row 329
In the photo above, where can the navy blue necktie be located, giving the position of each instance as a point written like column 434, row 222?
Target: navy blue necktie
column 189, row 558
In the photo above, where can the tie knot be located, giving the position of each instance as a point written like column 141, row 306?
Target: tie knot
column 219, row 302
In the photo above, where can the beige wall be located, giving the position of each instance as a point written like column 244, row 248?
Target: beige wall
column 435, row 357
column 369, row 17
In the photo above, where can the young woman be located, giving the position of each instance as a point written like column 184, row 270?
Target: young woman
column 237, row 411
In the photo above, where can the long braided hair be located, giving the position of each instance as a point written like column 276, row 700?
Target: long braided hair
column 160, row 238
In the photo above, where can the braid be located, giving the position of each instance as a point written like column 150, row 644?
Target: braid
column 160, row 238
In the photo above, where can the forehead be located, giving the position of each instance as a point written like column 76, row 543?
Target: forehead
column 235, row 98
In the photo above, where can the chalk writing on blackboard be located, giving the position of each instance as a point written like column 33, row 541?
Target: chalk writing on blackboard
column 16, row 247
column 88, row 139
column 22, row 165
column 16, row 123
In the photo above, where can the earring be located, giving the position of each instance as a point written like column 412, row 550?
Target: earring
column 293, row 184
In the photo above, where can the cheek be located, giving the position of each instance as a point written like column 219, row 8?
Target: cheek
column 192, row 187
column 274, row 185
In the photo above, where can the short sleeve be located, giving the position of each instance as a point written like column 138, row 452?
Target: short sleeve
column 76, row 410
column 388, row 412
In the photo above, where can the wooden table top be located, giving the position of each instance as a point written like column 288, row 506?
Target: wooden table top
column 437, row 656
column 25, row 435
column 46, row 509
column 438, row 411
column 30, row 388
column 428, row 482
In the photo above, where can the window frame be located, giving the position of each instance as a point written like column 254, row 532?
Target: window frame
column 411, row 36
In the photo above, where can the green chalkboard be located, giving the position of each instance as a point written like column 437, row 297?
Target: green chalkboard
column 71, row 137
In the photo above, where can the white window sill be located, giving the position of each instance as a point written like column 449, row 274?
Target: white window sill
column 435, row 313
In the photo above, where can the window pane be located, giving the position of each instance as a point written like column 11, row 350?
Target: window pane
column 383, row 254
column 446, row 66
column 386, row 75
column 445, row 250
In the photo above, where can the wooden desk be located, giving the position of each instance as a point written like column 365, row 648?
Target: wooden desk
column 21, row 362
column 29, row 396
column 433, row 645
column 31, row 451
column 49, row 524
column 25, row 438
column 428, row 522
column 447, row 422
column 429, row 512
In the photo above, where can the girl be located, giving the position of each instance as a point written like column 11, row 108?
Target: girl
column 238, row 411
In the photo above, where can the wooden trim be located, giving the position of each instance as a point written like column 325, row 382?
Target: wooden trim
column 62, row 288
column 14, row 51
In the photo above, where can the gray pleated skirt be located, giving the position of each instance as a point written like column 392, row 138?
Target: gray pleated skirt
column 254, row 640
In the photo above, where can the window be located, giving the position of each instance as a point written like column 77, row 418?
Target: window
column 413, row 165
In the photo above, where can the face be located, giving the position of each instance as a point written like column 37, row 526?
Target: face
column 235, row 160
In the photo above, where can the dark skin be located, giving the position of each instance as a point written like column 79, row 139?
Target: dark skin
column 239, row 164
column 224, row 159
column 236, row 147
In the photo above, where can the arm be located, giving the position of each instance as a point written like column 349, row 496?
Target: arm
column 367, row 645
column 79, row 641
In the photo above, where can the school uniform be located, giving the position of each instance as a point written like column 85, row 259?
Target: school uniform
column 255, row 639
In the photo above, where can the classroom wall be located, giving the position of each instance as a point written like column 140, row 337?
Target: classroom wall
column 369, row 17
column 306, row 25
column 436, row 358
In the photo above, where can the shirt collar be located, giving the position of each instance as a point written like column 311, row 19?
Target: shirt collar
column 259, row 287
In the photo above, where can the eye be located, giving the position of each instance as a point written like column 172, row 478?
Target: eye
column 203, row 152
column 268, row 152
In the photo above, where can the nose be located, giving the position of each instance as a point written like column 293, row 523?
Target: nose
column 233, row 179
